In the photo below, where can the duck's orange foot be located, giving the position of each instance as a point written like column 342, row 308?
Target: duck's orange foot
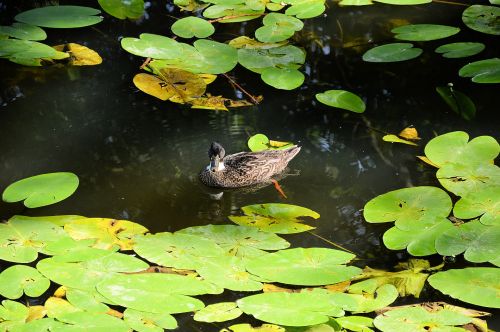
column 278, row 188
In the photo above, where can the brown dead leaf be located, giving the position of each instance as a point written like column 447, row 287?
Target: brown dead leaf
column 394, row 139
column 152, row 85
column 185, row 86
column 80, row 55
column 409, row 133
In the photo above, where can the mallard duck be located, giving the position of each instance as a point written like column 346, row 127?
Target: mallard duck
column 244, row 168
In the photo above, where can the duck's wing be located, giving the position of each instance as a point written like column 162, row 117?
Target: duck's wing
column 261, row 165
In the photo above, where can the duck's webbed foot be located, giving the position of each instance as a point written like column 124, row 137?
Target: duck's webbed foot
column 278, row 188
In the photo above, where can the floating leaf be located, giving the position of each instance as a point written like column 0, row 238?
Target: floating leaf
column 123, row 9
column 419, row 319
column 404, row 2
column 424, row 32
column 232, row 13
column 482, row 18
column 275, row 217
column 454, row 147
column 60, row 16
column 260, row 142
column 107, row 232
column 394, row 139
column 41, row 190
column 218, row 312
column 86, row 301
column 219, row 103
column 284, row 79
column 459, row 102
column 142, row 321
column 80, row 55
column 304, row 266
column 465, row 180
column 12, row 313
column 342, row 99
column 360, row 303
column 89, row 321
column 356, row 323
column 409, row 133
column 181, row 251
column 476, row 285
column 483, row 71
column 23, row 31
column 278, row 27
column 305, row 8
column 240, row 241
column 392, row 53
column 28, row 52
column 460, row 50
column 192, row 26
column 152, row 46
column 19, row 279
column 478, row 242
column 410, row 208
column 250, row 328
column 484, row 203
column 250, row 43
column 165, row 293
column 257, row 60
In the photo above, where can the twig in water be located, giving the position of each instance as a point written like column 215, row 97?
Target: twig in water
column 330, row 242
column 234, row 84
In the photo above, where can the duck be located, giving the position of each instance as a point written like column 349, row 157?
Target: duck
column 244, row 168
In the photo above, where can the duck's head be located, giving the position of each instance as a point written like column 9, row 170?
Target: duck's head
column 216, row 154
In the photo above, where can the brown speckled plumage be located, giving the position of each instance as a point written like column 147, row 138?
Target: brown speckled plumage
column 248, row 168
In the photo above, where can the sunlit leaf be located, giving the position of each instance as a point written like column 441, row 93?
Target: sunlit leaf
column 459, row 102
column 80, row 55
column 89, row 321
column 142, row 321
column 19, row 279
column 394, row 139
column 232, row 13
column 218, row 103
column 258, row 60
column 39, row 325
column 284, row 79
column 192, row 26
column 482, row 18
column 392, row 53
column 305, row 8
column 465, row 180
column 12, row 313
column 475, row 285
column 342, row 99
column 460, row 50
column 152, row 46
column 409, row 133
column 41, row 190
column 484, row 203
column 250, row 328
column 57, row 307
column 123, row 9
column 218, row 312
column 260, row 142
column 355, row 2
column 86, row 301
column 483, row 71
column 23, row 31
column 424, row 32
column 366, row 302
column 304, row 266
column 356, row 323
column 60, row 16
column 278, row 27
column 27, row 52
column 250, row 43
column 404, row 2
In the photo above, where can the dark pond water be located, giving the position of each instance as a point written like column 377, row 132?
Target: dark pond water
column 138, row 158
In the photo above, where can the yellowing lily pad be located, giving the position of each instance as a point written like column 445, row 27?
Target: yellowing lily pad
column 394, row 139
column 80, row 55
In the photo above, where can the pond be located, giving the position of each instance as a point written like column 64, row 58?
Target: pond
column 138, row 157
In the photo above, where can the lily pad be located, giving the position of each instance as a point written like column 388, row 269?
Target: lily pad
column 218, row 312
column 342, row 99
column 142, row 321
column 192, row 26
column 395, row 139
column 475, row 285
column 482, row 18
column 257, row 60
column 89, row 321
column 305, row 8
column 12, row 313
column 232, row 13
column 458, row 101
column 304, row 266
column 27, row 52
column 454, row 147
column 19, row 279
column 260, row 142
column 404, row 2
column 240, row 241
column 278, row 27
column 41, row 190
column 356, row 323
column 123, row 9
column 23, row 31
column 79, row 55
column 478, row 242
column 282, row 78
column 424, row 32
column 484, row 203
column 86, row 301
column 60, row 16
column 366, row 302
column 394, row 52
column 465, row 180
column 410, row 208
column 181, row 251
column 152, row 46
column 275, row 218
column 460, row 50
column 416, row 319
column 483, row 71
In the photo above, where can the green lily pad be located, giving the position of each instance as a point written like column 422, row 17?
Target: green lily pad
column 58, row 220
column 181, row 251
column 416, row 319
column 282, row 78
column 41, row 190
column 12, row 313
column 234, row 13
column 90, row 321
column 404, row 2
column 366, row 302
column 60, row 16
column 260, row 142
column 475, row 285
column 278, row 27
column 391, row 138
column 218, row 312
column 275, row 218
column 478, row 242
column 356, row 323
column 465, row 180
column 240, row 241
column 21, row 240
column 164, row 293
column 39, row 325
column 419, row 241
column 28, row 52
column 23, row 31
column 142, row 321
column 152, row 46
column 301, row 309
column 482, row 18
column 424, row 32
column 86, row 274
column 304, row 266
column 192, row 26
column 257, row 60
column 484, row 203
column 410, row 208
column 19, row 279
column 123, row 9
column 394, row 52
column 458, row 101
column 460, row 50
column 454, row 147
column 85, row 300
column 342, row 99
column 483, row 71
column 305, row 8
column 229, row 272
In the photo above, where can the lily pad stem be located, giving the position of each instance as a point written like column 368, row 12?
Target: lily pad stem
column 254, row 100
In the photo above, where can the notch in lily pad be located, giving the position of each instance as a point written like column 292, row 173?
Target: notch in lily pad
column 41, row 190
column 191, row 26
column 260, row 142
